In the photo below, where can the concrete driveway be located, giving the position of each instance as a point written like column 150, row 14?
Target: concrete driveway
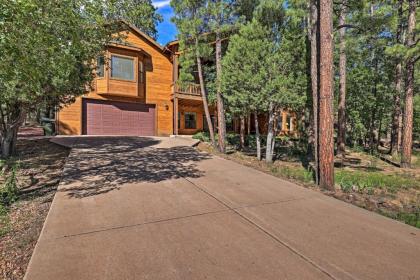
column 155, row 208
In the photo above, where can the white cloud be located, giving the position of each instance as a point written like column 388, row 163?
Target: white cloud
column 161, row 3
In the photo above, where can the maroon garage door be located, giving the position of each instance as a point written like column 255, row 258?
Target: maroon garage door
column 118, row 118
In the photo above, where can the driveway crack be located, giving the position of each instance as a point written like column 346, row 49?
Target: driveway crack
column 142, row 224
column 265, row 231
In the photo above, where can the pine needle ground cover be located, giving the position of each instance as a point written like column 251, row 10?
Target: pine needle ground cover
column 28, row 183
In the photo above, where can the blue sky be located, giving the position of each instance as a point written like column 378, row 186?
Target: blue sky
column 166, row 29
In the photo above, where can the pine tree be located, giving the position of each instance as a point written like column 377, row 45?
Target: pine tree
column 407, row 135
column 244, row 72
column 396, row 117
column 341, row 135
column 220, row 16
column 262, row 75
column 190, row 24
column 141, row 13
column 313, row 35
column 326, row 142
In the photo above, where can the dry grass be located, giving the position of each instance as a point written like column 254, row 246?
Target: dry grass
column 362, row 180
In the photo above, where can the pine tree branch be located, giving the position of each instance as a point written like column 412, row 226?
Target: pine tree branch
column 348, row 26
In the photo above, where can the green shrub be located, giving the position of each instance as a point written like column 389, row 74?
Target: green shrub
column 357, row 149
column 251, row 141
column 412, row 219
column 202, row 136
column 368, row 181
column 4, row 221
column 297, row 173
column 233, row 139
column 9, row 190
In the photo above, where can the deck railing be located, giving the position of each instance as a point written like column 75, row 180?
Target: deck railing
column 187, row 88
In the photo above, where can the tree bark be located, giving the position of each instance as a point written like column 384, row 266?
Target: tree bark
column 242, row 133
column 204, row 95
column 270, row 134
column 314, row 38
column 326, row 129
column 407, row 135
column 341, row 137
column 374, row 92
column 396, row 116
column 249, row 124
column 8, row 142
column 220, row 102
column 257, row 136
column 10, row 125
column 372, row 127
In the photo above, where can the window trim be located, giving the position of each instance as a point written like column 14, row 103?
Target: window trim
column 134, row 68
column 141, row 72
column 185, row 120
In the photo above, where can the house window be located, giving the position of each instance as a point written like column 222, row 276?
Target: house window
column 190, row 121
column 100, row 66
column 289, row 123
column 122, row 68
column 291, row 126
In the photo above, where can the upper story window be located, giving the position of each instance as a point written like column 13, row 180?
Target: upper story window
column 122, row 68
column 100, row 66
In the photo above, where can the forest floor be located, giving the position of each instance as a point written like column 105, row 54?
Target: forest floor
column 361, row 179
column 38, row 166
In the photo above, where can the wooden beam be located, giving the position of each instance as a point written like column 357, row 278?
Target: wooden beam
column 175, row 79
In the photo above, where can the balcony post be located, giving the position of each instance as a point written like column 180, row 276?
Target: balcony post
column 174, row 92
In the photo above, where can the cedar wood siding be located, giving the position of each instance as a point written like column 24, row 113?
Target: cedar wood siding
column 158, row 80
column 199, row 111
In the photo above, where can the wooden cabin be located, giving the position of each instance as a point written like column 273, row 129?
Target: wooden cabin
column 135, row 93
column 285, row 125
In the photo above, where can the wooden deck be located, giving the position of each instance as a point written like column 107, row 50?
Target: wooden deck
column 187, row 91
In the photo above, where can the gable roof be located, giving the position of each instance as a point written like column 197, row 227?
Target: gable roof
column 144, row 35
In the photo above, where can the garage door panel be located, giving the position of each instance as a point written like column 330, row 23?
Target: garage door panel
column 118, row 118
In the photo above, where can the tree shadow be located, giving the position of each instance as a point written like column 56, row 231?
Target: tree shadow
column 106, row 164
column 39, row 165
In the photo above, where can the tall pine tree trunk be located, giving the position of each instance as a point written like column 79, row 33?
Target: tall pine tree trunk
column 314, row 36
column 326, row 127
column 220, row 102
column 204, row 95
column 396, row 116
column 407, row 135
column 341, row 137
column 270, row 134
column 242, row 132
column 372, row 127
column 257, row 136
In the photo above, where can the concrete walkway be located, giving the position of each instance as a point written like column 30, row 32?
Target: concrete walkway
column 155, row 208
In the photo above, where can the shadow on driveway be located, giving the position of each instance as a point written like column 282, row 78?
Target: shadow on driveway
column 102, row 164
